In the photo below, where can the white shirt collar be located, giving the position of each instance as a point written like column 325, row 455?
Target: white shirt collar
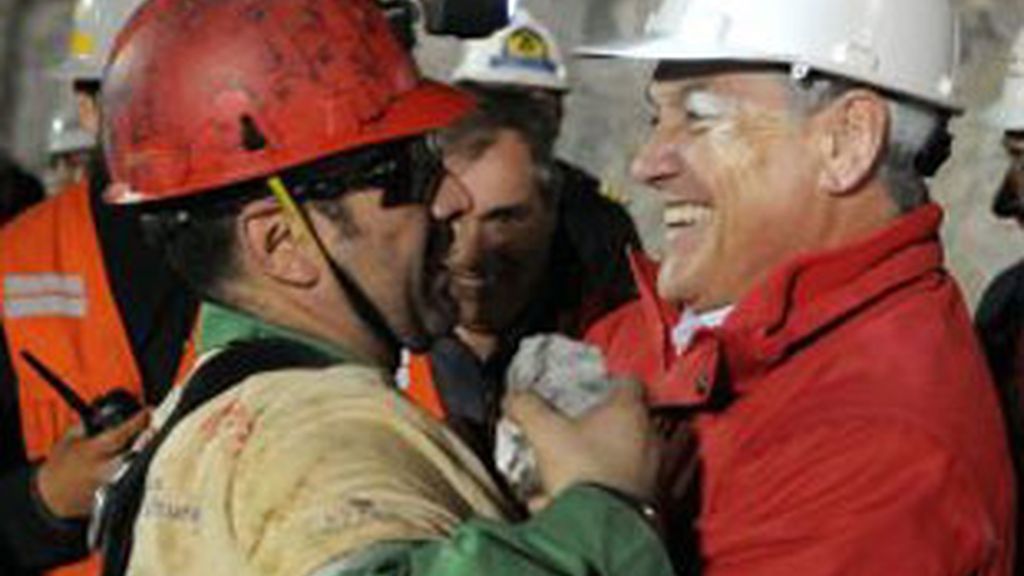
column 690, row 322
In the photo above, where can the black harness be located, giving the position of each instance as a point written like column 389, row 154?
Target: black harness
column 122, row 500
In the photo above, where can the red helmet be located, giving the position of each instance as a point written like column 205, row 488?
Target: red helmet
column 207, row 93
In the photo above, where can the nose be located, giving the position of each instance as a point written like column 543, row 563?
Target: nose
column 466, row 250
column 658, row 160
column 452, row 200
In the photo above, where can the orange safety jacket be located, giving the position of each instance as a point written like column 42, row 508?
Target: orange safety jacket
column 56, row 301
column 415, row 380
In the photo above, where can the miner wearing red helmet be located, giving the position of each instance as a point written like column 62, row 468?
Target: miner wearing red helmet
column 280, row 153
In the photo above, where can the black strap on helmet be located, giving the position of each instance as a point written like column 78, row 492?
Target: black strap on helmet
column 409, row 171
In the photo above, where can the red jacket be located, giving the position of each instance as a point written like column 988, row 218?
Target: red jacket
column 842, row 419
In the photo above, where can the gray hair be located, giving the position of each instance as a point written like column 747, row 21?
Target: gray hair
column 521, row 112
column 917, row 143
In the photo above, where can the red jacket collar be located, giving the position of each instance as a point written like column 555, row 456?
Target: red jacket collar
column 658, row 314
column 797, row 301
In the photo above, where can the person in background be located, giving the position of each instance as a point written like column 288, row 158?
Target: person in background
column 999, row 318
column 80, row 290
column 540, row 251
column 19, row 189
column 524, row 58
column 69, row 145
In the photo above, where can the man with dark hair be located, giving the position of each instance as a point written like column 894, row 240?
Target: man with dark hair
column 999, row 318
column 541, row 251
column 19, row 189
column 522, row 58
column 296, row 188
column 524, row 61
column 531, row 256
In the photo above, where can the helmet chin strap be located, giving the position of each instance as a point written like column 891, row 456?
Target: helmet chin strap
column 365, row 309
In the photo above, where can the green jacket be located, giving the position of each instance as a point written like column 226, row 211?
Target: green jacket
column 585, row 531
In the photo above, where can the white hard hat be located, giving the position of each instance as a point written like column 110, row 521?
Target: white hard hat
column 1008, row 111
column 67, row 136
column 96, row 25
column 522, row 54
column 905, row 46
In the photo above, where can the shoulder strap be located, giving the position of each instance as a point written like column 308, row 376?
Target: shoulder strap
column 123, row 498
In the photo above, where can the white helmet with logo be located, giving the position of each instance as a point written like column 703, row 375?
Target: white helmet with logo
column 1008, row 112
column 96, row 24
column 523, row 54
column 905, row 46
column 67, row 135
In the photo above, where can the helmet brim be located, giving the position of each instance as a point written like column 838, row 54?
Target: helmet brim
column 73, row 70
column 670, row 48
column 76, row 140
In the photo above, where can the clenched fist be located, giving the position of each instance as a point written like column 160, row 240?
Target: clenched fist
column 79, row 465
column 613, row 445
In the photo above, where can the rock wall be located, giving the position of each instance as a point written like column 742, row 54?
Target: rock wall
column 33, row 36
column 979, row 246
column 606, row 120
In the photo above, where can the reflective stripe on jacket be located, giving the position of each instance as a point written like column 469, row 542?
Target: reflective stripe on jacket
column 57, row 302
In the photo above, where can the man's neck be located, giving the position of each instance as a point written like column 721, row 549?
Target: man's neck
column 482, row 344
column 342, row 330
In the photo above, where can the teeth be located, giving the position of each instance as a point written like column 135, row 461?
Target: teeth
column 687, row 214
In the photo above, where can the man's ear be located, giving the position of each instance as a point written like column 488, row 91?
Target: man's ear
column 273, row 248
column 852, row 133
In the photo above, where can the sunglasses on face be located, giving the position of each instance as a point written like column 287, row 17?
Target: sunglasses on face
column 409, row 172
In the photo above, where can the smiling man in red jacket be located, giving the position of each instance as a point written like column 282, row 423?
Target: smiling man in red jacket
column 827, row 407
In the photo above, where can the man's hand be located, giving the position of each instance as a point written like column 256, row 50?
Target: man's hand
column 78, row 466
column 613, row 445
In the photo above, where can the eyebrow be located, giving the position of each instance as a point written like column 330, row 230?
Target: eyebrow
column 684, row 91
column 515, row 209
column 703, row 101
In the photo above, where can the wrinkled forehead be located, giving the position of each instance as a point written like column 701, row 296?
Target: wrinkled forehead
column 672, row 82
